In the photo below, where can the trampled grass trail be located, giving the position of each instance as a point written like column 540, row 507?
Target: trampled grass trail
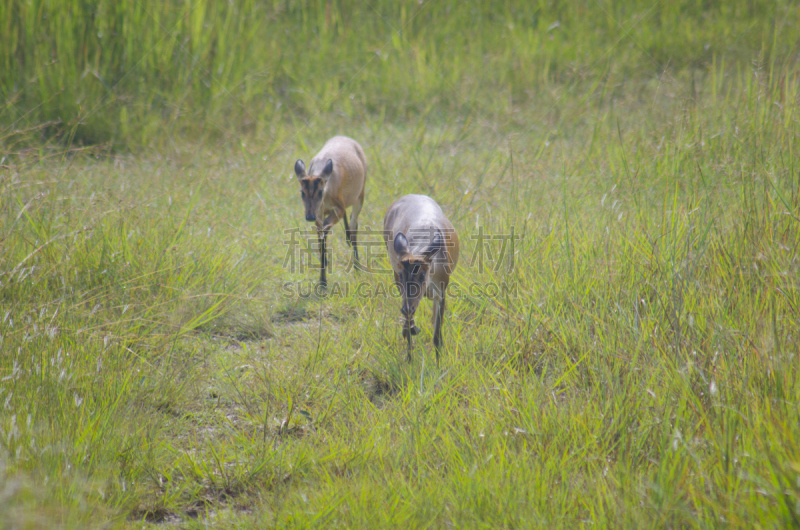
column 621, row 334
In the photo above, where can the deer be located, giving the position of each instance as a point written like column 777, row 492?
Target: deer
column 423, row 251
column 335, row 180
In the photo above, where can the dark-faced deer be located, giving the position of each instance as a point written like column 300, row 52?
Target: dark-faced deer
column 423, row 251
column 334, row 181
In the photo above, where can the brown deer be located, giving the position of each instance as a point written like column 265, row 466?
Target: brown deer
column 423, row 250
column 335, row 181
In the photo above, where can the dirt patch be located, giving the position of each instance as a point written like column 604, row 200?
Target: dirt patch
column 289, row 315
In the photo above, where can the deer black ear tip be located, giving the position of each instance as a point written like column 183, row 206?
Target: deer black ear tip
column 400, row 243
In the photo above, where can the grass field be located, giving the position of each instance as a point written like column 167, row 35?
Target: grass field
column 634, row 365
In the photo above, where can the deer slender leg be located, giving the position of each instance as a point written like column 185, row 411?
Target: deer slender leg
column 327, row 224
column 346, row 229
column 354, row 224
column 438, row 317
column 323, row 261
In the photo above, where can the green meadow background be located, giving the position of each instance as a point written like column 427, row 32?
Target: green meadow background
column 162, row 364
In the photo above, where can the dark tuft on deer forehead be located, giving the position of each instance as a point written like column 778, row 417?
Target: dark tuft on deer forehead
column 310, row 182
column 414, row 264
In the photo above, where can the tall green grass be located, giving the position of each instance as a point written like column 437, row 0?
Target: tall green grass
column 137, row 73
column 642, row 373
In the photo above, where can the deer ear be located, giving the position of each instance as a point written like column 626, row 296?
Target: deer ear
column 400, row 244
column 327, row 171
column 435, row 246
column 299, row 169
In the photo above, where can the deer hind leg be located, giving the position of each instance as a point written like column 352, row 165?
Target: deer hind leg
column 353, row 230
column 346, row 230
column 438, row 318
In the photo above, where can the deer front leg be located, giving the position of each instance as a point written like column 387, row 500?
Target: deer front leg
column 322, row 231
column 323, row 261
column 412, row 329
column 408, row 322
column 333, row 218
